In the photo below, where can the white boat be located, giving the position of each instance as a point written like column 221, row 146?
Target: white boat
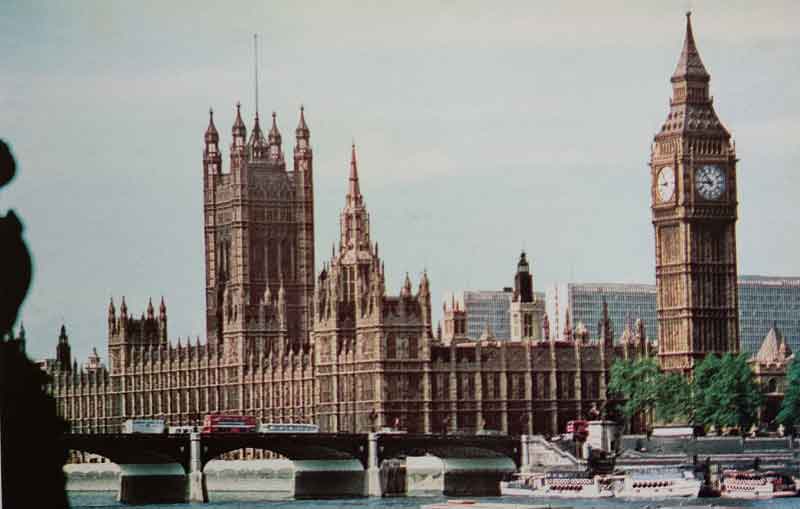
column 754, row 484
column 664, row 482
column 558, row 484
column 661, row 482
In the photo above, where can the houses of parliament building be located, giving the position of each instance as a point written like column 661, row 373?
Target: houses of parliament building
column 287, row 344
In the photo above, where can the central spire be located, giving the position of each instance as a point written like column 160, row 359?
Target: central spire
column 353, row 190
column 354, row 218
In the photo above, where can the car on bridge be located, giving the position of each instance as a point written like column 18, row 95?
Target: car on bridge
column 287, row 427
column 149, row 426
column 221, row 423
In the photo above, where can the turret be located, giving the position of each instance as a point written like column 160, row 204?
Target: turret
column 150, row 310
column 112, row 316
column 302, row 133
column 239, row 131
column 567, row 326
column 274, row 141
column 257, row 144
column 523, row 281
column 212, row 157
column 162, row 321
column 405, row 291
column 63, row 351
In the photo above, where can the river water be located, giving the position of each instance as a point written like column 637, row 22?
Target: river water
column 260, row 500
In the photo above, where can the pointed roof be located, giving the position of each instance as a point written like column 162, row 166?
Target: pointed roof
column 111, row 309
column 256, row 136
column 212, row 136
column 353, row 190
column 274, row 134
column 302, row 128
column 238, row 125
column 523, row 263
column 774, row 349
column 689, row 64
column 162, row 307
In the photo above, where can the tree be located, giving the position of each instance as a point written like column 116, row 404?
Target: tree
column 674, row 398
column 635, row 381
column 789, row 414
column 725, row 393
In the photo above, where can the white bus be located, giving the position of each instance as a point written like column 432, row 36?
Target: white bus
column 180, row 430
column 150, row 426
column 279, row 427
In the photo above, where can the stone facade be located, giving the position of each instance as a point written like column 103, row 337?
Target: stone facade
column 340, row 352
column 371, row 359
column 694, row 210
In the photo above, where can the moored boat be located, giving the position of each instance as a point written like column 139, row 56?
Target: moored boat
column 754, row 484
column 558, row 484
column 661, row 482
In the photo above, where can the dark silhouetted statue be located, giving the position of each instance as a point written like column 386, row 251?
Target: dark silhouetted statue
column 31, row 453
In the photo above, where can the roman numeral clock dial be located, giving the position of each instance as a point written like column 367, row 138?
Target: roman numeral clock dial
column 710, row 181
column 665, row 184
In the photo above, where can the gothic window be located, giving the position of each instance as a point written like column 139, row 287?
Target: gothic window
column 391, row 347
column 527, row 327
column 413, row 347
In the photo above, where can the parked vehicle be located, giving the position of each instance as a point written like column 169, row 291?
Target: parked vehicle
column 220, row 423
column 280, row 427
column 149, row 426
column 180, row 430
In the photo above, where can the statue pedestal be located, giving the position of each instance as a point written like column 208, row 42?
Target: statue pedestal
column 602, row 435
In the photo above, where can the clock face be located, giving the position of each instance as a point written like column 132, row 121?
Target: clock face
column 665, row 184
column 710, row 181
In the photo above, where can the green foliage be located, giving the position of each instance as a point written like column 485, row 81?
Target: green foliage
column 674, row 398
column 636, row 381
column 724, row 392
column 789, row 414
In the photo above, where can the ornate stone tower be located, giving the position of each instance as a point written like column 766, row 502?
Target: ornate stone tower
column 370, row 349
column 527, row 312
column 259, row 240
column 693, row 192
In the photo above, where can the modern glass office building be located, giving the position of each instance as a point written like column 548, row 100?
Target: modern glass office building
column 763, row 301
column 626, row 302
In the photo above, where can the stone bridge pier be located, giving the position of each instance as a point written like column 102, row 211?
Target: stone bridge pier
column 454, row 465
column 196, row 490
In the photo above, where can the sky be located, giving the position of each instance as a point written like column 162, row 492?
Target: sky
column 481, row 130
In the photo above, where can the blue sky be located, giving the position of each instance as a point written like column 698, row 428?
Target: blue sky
column 480, row 131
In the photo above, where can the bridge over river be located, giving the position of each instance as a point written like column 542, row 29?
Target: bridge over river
column 169, row 468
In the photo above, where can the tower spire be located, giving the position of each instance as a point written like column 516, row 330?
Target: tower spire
column 353, row 190
column 689, row 64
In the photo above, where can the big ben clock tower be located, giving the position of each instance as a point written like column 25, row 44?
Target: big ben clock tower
column 693, row 193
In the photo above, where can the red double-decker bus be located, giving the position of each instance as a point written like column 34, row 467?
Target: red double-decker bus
column 217, row 423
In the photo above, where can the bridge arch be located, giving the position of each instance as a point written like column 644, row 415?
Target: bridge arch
column 449, row 446
column 293, row 446
column 131, row 449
